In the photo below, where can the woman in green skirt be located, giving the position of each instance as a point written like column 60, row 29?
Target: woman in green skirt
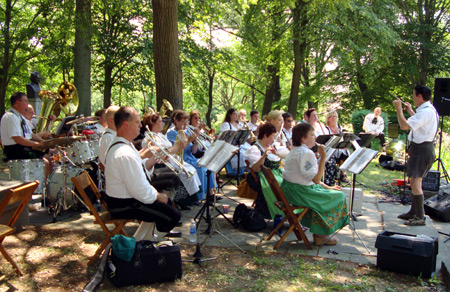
column 262, row 153
column 302, row 186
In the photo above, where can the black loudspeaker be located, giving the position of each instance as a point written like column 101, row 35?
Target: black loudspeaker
column 441, row 99
column 432, row 181
column 438, row 207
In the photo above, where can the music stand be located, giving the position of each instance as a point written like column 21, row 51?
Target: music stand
column 236, row 138
column 63, row 128
column 355, row 164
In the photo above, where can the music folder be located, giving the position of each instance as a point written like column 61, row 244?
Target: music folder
column 217, row 155
column 358, row 160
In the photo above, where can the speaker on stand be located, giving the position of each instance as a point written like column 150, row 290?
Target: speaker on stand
column 441, row 102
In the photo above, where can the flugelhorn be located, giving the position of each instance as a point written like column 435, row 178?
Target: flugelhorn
column 252, row 135
column 177, row 167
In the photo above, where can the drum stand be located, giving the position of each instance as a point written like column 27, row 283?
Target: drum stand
column 65, row 191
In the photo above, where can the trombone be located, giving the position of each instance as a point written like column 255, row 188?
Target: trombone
column 177, row 167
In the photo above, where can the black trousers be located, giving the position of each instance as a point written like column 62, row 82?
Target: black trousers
column 14, row 152
column 165, row 216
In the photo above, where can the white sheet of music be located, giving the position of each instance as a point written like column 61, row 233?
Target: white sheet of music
column 358, row 160
column 217, row 155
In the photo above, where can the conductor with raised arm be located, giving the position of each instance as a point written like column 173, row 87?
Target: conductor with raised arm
column 423, row 124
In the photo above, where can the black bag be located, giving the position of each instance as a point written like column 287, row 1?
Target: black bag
column 149, row 264
column 249, row 218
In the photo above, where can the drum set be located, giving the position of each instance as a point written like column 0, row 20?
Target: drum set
column 69, row 156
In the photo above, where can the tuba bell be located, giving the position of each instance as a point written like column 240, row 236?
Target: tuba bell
column 166, row 106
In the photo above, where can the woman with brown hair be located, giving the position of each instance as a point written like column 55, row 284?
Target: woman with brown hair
column 302, row 186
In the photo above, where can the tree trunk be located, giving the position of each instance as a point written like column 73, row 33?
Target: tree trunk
column 211, row 74
column 4, row 71
column 107, row 86
column 273, row 89
column 82, row 55
column 299, row 47
column 168, row 75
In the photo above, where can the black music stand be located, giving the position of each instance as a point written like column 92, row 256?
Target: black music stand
column 355, row 164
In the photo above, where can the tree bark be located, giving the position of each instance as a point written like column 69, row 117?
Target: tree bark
column 82, row 55
column 273, row 91
column 211, row 74
column 107, row 86
column 4, row 70
column 299, row 48
column 168, row 75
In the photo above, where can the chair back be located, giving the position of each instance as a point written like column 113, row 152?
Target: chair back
column 20, row 195
column 276, row 189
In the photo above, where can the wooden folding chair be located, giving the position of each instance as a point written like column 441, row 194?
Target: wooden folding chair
column 288, row 210
column 21, row 196
column 84, row 184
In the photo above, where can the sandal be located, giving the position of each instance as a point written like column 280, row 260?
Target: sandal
column 416, row 222
column 406, row 216
column 325, row 240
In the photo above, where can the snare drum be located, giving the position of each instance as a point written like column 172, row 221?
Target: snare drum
column 80, row 152
column 27, row 170
column 55, row 183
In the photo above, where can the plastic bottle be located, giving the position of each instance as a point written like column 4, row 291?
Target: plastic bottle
column 193, row 232
column 276, row 220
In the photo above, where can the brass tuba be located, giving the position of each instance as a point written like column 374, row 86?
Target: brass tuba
column 166, row 106
column 65, row 99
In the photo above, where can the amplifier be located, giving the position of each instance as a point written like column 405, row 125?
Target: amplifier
column 438, row 207
column 432, row 181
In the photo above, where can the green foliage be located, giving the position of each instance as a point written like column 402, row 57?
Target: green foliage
column 358, row 120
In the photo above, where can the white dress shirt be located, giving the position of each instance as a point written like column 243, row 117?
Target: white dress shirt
column 104, row 143
column 125, row 174
column 423, row 124
column 371, row 127
column 11, row 126
column 252, row 126
column 300, row 166
column 253, row 154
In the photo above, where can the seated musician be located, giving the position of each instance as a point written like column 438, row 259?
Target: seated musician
column 17, row 137
column 130, row 194
column 374, row 124
column 275, row 117
column 262, row 153
column 163, row 178
column 339, row 156
column 312, row 118
column 231, row 122
column 99, row 127
column 253, row 123
column 287, row 128
column 302, row 187
column 180, row 119
column 195, row 121
column 109, row 134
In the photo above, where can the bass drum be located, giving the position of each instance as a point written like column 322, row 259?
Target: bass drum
column 27, row 170
column 55, row 184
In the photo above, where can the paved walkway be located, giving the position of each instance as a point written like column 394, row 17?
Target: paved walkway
column 376, row 218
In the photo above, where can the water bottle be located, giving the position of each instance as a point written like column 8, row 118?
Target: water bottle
column 193, row 232
column 276, row 220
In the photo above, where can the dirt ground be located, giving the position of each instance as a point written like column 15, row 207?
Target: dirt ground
column 56, row 260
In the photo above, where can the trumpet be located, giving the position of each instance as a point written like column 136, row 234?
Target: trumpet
column 177, row 167
column 200, row 140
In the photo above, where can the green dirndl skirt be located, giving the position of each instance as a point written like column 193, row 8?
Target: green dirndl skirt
column 267, row 191
column 329, row 207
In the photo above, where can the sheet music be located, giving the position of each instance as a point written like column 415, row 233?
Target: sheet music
column 358, row 160
column 217, row 155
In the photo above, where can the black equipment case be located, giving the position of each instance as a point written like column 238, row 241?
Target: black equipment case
column 406, row 253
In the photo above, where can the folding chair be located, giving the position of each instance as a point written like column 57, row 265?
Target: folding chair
column 288, row 210
column 84, row 185
column 21, row 196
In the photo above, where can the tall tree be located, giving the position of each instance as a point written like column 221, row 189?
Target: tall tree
column 82, row 55
column 168, row 74
column 19, row 25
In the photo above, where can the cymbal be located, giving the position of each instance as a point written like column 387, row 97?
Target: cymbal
column 92, row 122
column 62, row 141
column 83, row 120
